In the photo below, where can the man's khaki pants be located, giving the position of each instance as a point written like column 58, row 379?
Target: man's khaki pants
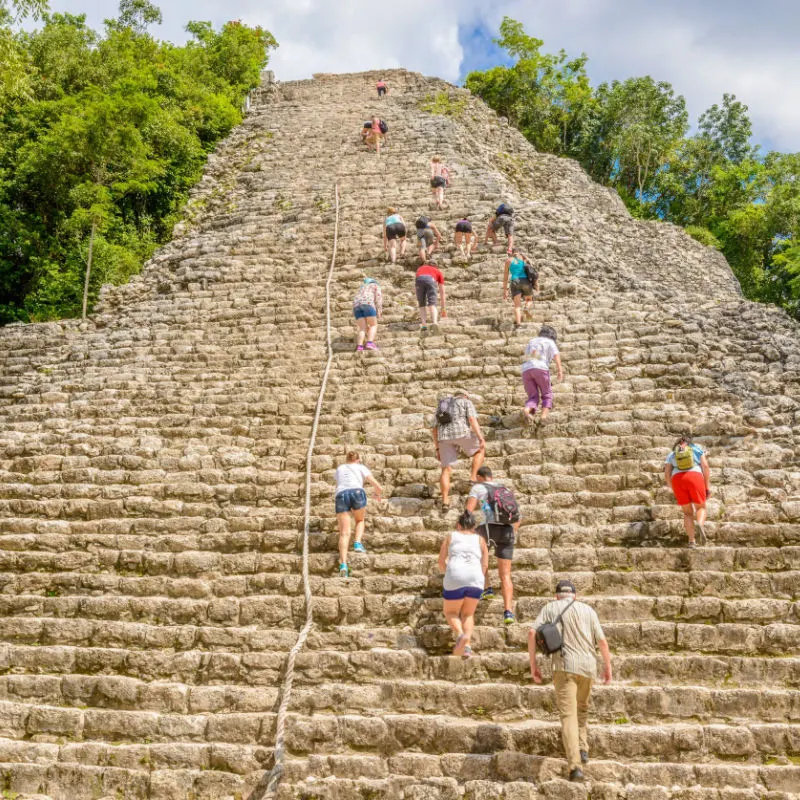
column 572, row 700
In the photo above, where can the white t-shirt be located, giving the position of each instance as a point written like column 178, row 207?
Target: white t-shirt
column 351, row 476
column 540, row 352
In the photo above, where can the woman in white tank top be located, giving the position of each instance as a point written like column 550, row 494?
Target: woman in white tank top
column 463, row 558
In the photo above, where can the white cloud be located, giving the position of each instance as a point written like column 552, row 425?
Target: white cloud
column 702, row 48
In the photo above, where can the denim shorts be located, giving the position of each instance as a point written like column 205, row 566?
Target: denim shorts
column 363, row 311
column 350, row 500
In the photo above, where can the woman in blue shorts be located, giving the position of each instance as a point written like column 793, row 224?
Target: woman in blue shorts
column 367, row 310
column 351, row 497
column 463, row 558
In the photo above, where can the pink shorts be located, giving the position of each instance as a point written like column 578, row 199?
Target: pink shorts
column 689, row 487
column 448, row 450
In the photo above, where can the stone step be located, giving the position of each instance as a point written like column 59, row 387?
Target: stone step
column 366, row 658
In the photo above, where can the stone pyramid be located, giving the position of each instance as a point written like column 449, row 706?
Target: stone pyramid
column 152, row 487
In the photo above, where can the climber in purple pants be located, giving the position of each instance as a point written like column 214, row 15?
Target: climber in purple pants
column 539, row 352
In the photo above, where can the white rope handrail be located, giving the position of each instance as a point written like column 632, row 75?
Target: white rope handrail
column 280, row 729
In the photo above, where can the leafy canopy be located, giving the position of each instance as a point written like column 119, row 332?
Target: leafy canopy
column 108, row 131
column 633, row 135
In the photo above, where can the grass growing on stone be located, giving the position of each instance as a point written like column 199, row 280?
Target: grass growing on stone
column 443, row 103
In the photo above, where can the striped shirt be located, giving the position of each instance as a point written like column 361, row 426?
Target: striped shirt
column 580, row 630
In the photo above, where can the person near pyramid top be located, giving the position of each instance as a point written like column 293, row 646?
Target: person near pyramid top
column 440, row 177
column 466, row 240
column 503, row 218
column 524, row 283
column 428, row 237
column 394, row 231
column 382, row 88
column 374, row 133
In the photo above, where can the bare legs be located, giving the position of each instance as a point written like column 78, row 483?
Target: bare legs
column 423, row 314
column 372, row 330
column 460, row 616
column 477, row 462
column 343, row 521
column 689, row 511
column 444, row 484
column 506, row 586
column 438, row 196
column 361, row 324
column 467, row 243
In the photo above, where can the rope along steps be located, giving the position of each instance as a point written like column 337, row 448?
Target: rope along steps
column 274, row 776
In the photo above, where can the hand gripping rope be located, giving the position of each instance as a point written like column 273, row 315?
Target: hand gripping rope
column 280, row 730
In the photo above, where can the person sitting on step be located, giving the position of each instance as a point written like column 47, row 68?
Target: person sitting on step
column 368, row 310
column 439, row 176
column 351, row 497
column 463, row 558
column 574, row 668
column 428, row 237
column 426, row 287
column 539, row 352
column 524, row 282
column 455, row 429
column 687, row 474
column 465, row 239
column 503, row 218
column 499, row 530
column 394, row 231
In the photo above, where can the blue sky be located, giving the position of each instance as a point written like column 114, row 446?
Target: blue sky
column 703, row 47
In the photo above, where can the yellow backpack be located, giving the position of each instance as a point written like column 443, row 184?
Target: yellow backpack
column 684, row 457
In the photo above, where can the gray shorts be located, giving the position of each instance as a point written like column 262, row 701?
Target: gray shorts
column 523, row 287
column 427, row 291
column 448, row 450
column 425, row 235
column 505, row 222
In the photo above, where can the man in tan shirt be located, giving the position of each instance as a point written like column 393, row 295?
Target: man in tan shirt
column 574, row 668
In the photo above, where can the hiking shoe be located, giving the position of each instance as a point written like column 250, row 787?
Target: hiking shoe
column 701, row 534
column 358, row 547
column 372, row 346
column 509, row 618
column 467, row 653
column 584, row 757
column 344, row 571
column 692, row 545
column 487, row 593
column 360, row 348
column 576, row 776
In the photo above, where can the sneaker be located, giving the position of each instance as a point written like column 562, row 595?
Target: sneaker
column 576, row 776
column 467, row 653
column 487, row 593
column 344, row 571
column 359, row 548
column 372, row 346
column 692, row 544
column 701, row 534
column 509, row 618
column 584, row 757
column 360, row 348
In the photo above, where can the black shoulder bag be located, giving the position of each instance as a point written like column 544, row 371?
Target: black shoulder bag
column 548, row 636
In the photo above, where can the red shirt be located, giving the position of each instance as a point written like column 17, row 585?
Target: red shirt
column 427, row 269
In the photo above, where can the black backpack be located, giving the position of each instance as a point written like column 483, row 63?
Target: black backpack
column 504, row 209
column 384, row 127
column 422, row 223
column 444, row 411
column 503, row 503
column 548, row 636
column 531, row 273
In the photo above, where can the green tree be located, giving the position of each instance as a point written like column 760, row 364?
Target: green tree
column 104, row 146
column 644, row 123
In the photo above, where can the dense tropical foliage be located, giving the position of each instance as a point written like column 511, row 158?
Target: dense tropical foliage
column 633, row 135
column 101, row 138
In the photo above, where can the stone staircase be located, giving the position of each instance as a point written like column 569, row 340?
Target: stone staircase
column 152, row 475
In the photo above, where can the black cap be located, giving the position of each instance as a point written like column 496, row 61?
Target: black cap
column 565, row 586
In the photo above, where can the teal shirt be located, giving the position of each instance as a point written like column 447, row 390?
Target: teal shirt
column 517, row 270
